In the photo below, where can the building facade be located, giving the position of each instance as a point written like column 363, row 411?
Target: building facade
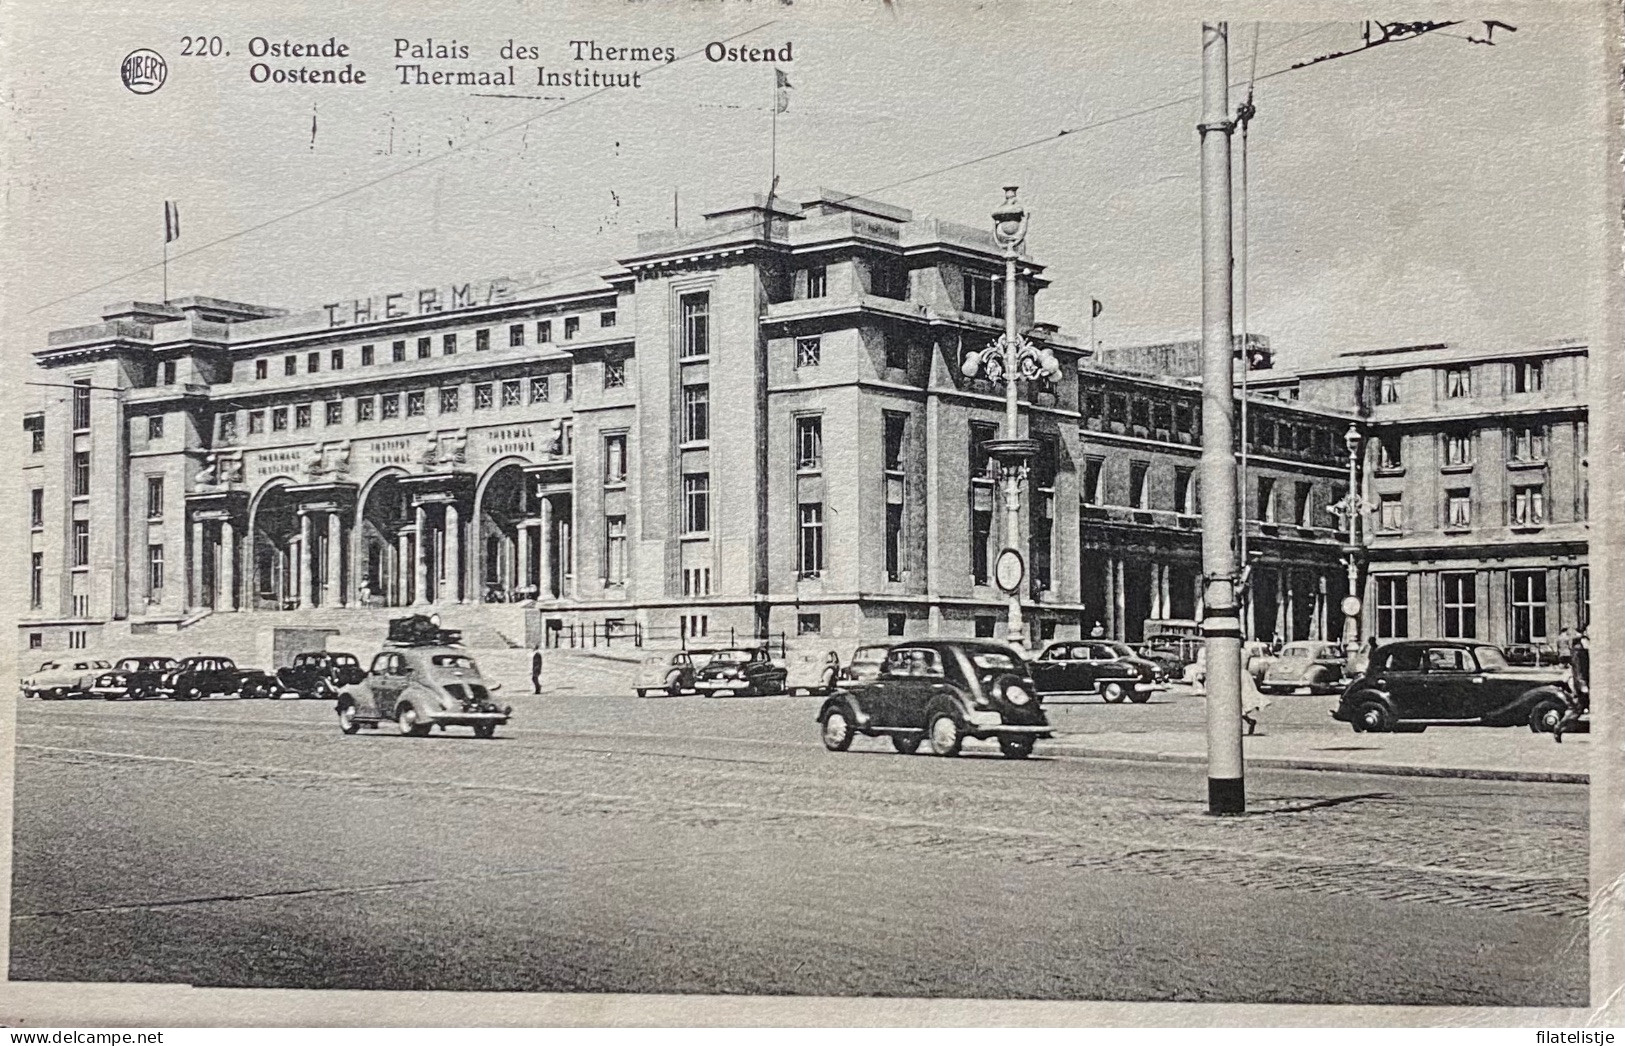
column 759, row 424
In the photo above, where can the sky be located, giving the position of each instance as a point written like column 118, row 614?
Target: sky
column 1430, row 190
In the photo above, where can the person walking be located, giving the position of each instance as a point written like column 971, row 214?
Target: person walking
column 536, row 670
column 1578, row 697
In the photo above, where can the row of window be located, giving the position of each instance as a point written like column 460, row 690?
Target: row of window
column 311, row 362
column 1524, row 443
column 488, row 395
column 1457, row 382
column 1525, row 508
column 1187, row 494
column 1527, row 605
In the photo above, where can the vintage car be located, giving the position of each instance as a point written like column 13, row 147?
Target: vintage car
column 669, row 674
column 1172, row 650
column 1413, row 684
column 811, row 671
column 195, row 678
column 133, row 678
column 1094, row 666
column 1532, row 655
column 866, row 661
column 320, row 673
column 941, row 691
column 1254, row 654
column 421, row 687
column 55, row 680
column 1307, row 667
column 740, row 670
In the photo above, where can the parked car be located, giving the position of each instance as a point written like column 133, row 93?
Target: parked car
column 941, row 691
column 321, row 673
column 1172, row 650
column 195, row 678
column 421, row 687
column 1530, row 655
column 1255, row 655
column 55, row 680
column 812, row 671
column 741, row 670
column 133, row 678
column 1417, row 683
column 866, row 661
column 669, row 674
column 1097, row 666
column 1309, row 667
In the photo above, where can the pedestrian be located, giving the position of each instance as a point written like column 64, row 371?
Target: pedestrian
column 1565, row 645
column 1363, row 654
column 536, row 670
column 1578, row 697
column 1096, row 632
column 1253, row 702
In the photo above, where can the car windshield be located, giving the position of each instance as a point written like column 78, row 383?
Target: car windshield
column 993, row 661
column 730, row 655
column 1490, row 659
column 452, row 661
column 1296, row 653
column 657, row 659
column 872, row 655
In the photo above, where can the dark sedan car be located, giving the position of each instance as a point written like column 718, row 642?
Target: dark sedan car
column 320, row 674
column 1417, row 683
column 1097, row 666
column 748, row 671
column 133, row 678
column 941, row 691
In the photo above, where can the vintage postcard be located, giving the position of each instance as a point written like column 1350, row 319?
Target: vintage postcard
column 815, row 513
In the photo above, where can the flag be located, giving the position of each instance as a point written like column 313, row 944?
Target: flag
column 782, row 99
column 172, row 221
column 1095, row 308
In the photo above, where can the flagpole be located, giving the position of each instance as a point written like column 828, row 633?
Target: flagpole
column 773, row 171
column 166, row 267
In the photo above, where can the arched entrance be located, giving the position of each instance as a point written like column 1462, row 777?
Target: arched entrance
column 386, row 542
column 274, row 539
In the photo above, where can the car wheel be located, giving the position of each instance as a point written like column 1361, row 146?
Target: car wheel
column 1373, row 717
column 347, row 721
column 194, row 694
column 907, row 744
column 1016, row 747
column 946, row 737
column 674, row 686
column 485, row 731
column 1112, row 691
column 1140, row 697
column 1545, row 716
column 837, row 731
column 406, row 721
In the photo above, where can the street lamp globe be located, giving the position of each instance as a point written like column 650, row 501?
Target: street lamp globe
column 1009, row 221
column 1351, row 439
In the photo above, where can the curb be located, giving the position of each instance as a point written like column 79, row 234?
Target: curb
column 1287, row 763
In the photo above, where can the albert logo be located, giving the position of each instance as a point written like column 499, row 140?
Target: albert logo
column 144, row 71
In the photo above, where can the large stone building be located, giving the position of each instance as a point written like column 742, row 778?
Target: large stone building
column 756, row 425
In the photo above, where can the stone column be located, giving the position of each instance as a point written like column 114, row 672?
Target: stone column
column 521, row 556
column 544, row 582
column 1164, row 593
column 1108, row 596
column 1120, row 611
column 307, row 567
column 420, row 562
column 333, row 591
column 197, row 563
column 227, row 597
column 397, row 573
column 454, row 553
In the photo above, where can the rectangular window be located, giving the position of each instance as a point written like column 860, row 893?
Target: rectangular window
column 894, row 542
column 1458, row 382
column 256, row 422
column 809, row 443
column 81, row 404
column 36, row 507
column 1140, row 412
column 888, row 278
column 414, row 404
column 36, row 434
column 606, row 319
column 614, row 374
column 262, row 369
column 1527, row 443
column 1184, row 419
column 313, row 362
column 896, row 351
column 334, row 412
column 364, row 409
column 893, row 441
column 279, row 419
column 390, row 406
column 169, row 372
column 569, row 385
column 1393, row 605
column 1390, row 513
column 696, row 413
column 697, row 581
column 397, row 351
column 81, row 542
column 538, row 389
column 572, row 327
column 1458, row 447
column 1390, row 451
column 366, row 355
column 226, row 425
column 1528, row 376
column 448, row 344
column 301, row 416
column 1459, row 599
column 36, row 589
column 290, row 366
column 544, row 331
column 335, row 359
column 1094, row 487
column 981, row 462
column 615, row 459
column 810, row 560
column 817, row 277
column 448, row 400
column 1139, row 485
column 155, row 497
column 981, row 534
column 1264, row 507
column 1529, row 505
column 1458, row 509
column 983, row 295
column 696, row 503
column 615, row 550
column 809, row 624
column 896, row 624
column 425, row 348
column 155, row 573
column 1528, row 605
column 1388, row 388
column 1184, row 482
column 155, row 427
column 512, row 393
column 482, row 340
column 81, row 473
column 482, row 396
column 1300, row 504
column 696, row 314
column 516, row 336
column 808, row 352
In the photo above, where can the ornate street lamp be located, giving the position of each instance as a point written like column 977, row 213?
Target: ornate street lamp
column 1010, row 359
column 1350, row 508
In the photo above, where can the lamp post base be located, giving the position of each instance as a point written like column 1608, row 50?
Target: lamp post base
column 1226, row 796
